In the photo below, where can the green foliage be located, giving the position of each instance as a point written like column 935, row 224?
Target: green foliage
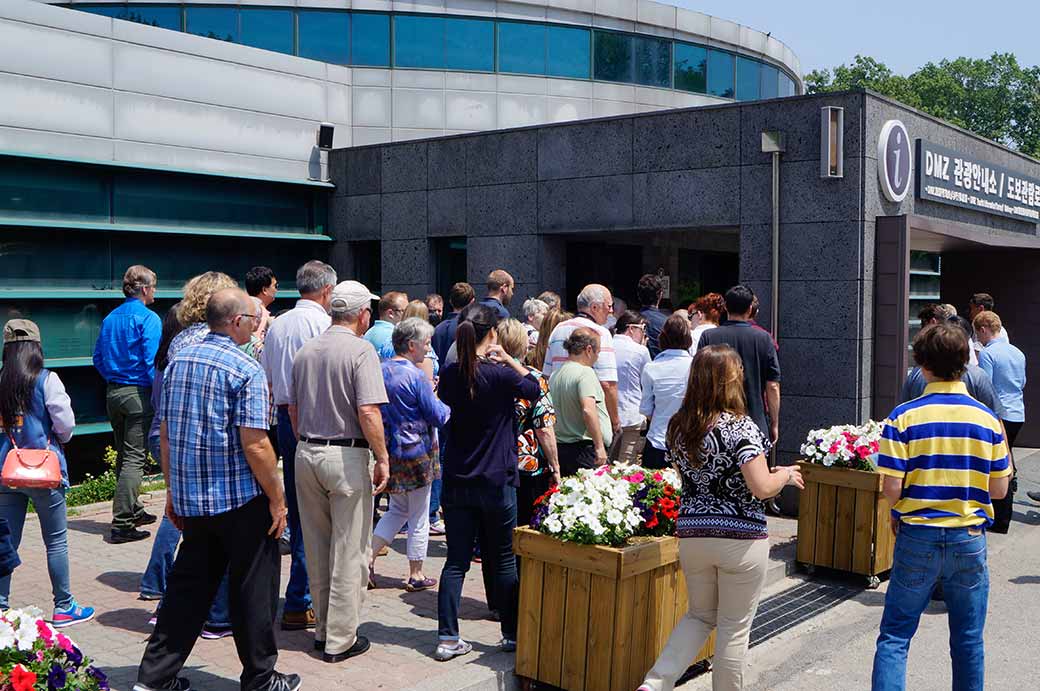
column 101, row 488
column 996, row 98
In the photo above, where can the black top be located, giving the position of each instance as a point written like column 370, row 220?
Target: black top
column 444, row 335
column 480, row 438
column 758, row 355
column 655, row 319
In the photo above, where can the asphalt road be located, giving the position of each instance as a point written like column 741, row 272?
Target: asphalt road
column 835, row 651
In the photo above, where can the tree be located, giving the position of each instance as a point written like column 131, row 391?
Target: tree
column 995, row 98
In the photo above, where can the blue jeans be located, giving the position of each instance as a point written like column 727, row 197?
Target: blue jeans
column 50, row 507
column 924, row 556
column 490, row 513
column 297, row 592
column 435, row 499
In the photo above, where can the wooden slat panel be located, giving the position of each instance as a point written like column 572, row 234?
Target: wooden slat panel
column 646, row 556
column 602, row 629
column 529, row 619
column 624, row 613
column 662, row 612
column 575, row 631
column 554, row 600
column 884, row 540
column 863, row 533
column 824, row 554
column 807, row 509
column 640, row 630
column 845, row 513
column 841, row 477
column 602, row 561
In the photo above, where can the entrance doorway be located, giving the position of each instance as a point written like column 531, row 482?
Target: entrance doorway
column 449, row 264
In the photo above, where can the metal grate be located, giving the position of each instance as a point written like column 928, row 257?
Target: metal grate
column 791, row 607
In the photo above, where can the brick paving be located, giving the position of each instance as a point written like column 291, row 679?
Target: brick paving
column 401, row 625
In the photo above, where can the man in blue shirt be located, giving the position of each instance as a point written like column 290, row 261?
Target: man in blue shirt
column 650, row 290
column 459, row 298
column 391, row 311
column 224, row 493
column 500, row 288
column 125, row 356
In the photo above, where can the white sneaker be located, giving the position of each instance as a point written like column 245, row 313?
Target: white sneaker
column 447, row 651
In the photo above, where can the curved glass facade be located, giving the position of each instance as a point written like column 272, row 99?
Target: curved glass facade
column 428, row 41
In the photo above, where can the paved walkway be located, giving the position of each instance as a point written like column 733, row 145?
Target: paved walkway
column 402, row 626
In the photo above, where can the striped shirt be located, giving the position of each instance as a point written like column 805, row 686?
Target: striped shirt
column 946, row 446
column 556, row 354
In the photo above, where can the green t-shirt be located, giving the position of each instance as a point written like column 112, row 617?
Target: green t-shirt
column 570, row 383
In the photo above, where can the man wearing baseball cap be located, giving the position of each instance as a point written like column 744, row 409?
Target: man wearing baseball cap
column 334, row 399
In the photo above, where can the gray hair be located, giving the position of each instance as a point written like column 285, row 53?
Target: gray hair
column 136, row 279
column 533, row 306
column 313, row 276
column 408, row 330
column 580, row 339
column 591, row 294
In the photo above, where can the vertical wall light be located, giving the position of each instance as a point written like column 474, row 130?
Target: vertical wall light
column 832, row 137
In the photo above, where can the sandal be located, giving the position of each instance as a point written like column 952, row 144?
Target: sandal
column 414, row 585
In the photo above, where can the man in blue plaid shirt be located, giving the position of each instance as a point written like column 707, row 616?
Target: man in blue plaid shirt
column 224, row 493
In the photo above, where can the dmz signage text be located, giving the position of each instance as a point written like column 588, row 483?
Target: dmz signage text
column 950, row 177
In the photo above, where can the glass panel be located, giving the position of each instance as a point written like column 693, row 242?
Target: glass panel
column 75, row 259
column 653, row 61
column 748, row 80
column 418, row 41
column 86, row 388
column 720, row 73
column 770, row 81
column 786, row 85
column 162, row 17
column 691, row 68
column 469, row 44
column 213, row 22
column 569, row 52
column 325, row 36
column 521, row 48
column 67, row 328
column 613, row 57
column 37, row 189
column 370, row 39
column 174, row 200
column 268, row 29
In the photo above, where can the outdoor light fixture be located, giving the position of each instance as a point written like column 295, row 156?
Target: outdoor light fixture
column 832, row 136
column 325, row 132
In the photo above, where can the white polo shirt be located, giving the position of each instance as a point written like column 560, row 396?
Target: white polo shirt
column 556, row 354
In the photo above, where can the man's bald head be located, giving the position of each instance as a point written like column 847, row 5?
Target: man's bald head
column 224, row 305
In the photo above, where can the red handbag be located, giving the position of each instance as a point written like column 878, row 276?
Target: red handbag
column 31, row 468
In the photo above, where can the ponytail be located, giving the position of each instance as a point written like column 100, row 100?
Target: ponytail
column 466, row 352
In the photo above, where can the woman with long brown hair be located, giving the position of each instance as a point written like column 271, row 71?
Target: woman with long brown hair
column 724, row 547
column 536, row 358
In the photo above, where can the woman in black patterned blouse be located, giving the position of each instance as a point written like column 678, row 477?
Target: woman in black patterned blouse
column 724, row 547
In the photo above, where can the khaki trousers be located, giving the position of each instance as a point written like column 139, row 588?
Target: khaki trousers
column 334, row 489
column 628, row 445
column 724, row 579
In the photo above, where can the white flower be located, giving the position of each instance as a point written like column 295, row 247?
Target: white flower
column 7, row 636
column 614, row 517
column 26, row 633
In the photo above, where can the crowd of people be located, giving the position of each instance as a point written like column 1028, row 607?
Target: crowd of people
column 461, row 416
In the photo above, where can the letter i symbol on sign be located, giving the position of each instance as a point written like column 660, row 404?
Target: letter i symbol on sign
column 897, row 182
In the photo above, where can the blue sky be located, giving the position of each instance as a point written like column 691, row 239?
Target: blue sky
column 904, row 34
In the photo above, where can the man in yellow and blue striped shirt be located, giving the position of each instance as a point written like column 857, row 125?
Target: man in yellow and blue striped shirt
column 945, row 458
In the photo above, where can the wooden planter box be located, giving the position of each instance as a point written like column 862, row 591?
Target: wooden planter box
column 595, row 617
column 843, row 521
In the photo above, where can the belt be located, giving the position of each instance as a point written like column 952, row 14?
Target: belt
column 355, row 443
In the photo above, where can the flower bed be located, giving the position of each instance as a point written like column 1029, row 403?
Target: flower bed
column 36, row 657
column 609, row 505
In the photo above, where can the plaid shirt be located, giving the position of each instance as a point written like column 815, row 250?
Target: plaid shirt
column 210, row 389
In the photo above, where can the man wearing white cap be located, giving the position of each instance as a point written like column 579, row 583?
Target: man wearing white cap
column 334, row 399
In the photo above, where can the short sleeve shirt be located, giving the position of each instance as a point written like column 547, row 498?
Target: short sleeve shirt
column 556, row 354
column 533, row 415
column 758, row 355
column 568, row 385
column 332, row 375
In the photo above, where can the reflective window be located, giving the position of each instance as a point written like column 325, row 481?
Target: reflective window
column 324, row 36
column 418, row 41
column 521, row 48
column 691, row 68
column 162, row 17
column 653, row 61
column 213, row 22
column 720, row 73
column 569, row 52
column 469, row 44
column 270, row 29
column 370, row 39
column 613, row 57
column 770, row 81
column 748, row 79
column 787, row 87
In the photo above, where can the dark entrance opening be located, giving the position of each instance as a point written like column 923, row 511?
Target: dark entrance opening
column 449, row 263
column 368, row 264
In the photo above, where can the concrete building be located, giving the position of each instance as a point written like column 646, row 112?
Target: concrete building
column 689, row 193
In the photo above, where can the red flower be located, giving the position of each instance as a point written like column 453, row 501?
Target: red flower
column 22, row 679
column 666, row 503
column 652, row 523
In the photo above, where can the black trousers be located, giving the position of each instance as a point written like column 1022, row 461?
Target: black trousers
column 236, row 542
column 581, row 454
column 1003, row 508
column 653, row 457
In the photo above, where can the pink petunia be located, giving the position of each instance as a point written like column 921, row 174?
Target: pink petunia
column 45, row 632
column 64, row 643
column 636, row 477
column 658, row 477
